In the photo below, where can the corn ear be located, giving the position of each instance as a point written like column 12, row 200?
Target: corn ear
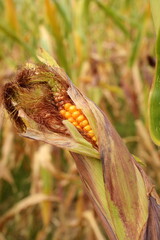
column 120, row 191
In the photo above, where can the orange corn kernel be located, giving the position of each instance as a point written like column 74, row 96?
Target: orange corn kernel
column 79, row 127
column 62, row 112
column 67, row 105
column 80, row 118
column 75, row 124
column 91, row 133
column 71, row 119
column 76, row 114
column 67, row 115
column 77, row 118
column 72, row 109
column 87, row 128
column 84, row 123
column 94, row 139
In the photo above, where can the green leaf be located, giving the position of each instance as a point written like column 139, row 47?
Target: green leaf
column 45, row 58
column 154, row 100
column 155, row 9
column 138, row 160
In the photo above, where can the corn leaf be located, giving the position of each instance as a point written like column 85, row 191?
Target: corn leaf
column 45, row 58
column 154, row 100
column 155, row 9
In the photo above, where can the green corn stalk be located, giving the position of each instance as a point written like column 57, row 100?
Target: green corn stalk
column 122, row 195
column 154, row 99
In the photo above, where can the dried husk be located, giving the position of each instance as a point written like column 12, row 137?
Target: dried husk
column 133, row 207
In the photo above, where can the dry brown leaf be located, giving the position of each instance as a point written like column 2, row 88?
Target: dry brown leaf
column 25, row 203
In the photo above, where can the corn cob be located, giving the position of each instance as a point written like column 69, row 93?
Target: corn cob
column 74, row 115
column 68, row 111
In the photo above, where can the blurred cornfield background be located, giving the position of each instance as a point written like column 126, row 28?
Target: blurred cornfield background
column 107, row 48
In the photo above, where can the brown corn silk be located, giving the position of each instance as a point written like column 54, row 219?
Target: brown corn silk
column 121, row 193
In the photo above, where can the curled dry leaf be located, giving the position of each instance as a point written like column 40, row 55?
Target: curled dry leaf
column 25, row 203
column 46, row 106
